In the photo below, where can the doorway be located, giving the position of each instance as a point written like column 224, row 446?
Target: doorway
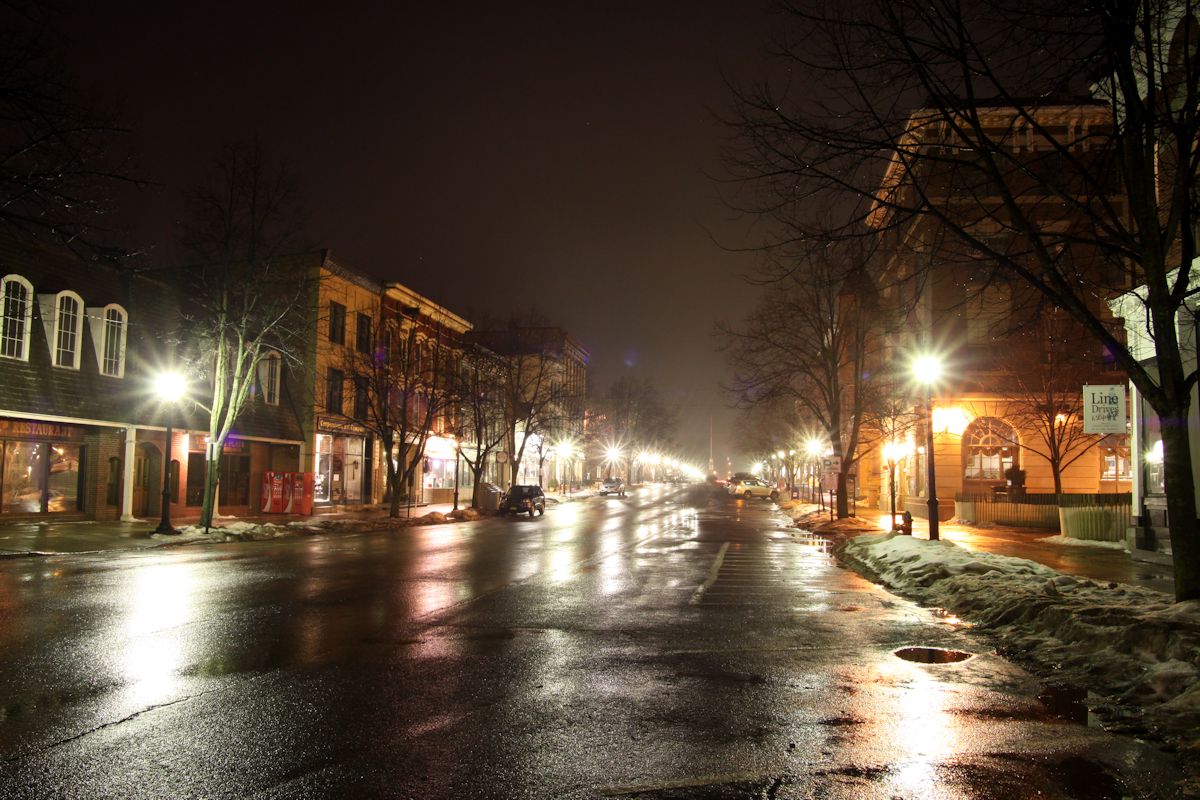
column 147, row 480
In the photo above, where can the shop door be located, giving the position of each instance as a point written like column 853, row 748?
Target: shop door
column 147, row 472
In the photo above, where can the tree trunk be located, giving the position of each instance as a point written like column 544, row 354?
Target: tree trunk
column 1181, row 505
column 843, row 502
column 212, row 477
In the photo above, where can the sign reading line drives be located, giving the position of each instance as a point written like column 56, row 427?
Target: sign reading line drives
column 1104, row 409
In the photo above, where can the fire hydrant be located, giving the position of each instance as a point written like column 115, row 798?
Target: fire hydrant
column 906, row 523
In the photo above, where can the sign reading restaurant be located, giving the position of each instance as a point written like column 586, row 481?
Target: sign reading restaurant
column 1104, row 408
column 34, row 429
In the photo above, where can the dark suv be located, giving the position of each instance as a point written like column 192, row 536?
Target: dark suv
column 523, row 498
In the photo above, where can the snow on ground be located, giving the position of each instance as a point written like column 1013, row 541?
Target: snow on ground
column 1134, row 648
column 1071, row 541
column 230, row 529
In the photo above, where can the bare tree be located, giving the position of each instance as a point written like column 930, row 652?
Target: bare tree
column 244, row 296
column 59, row 159
column 533, row 384
column 969, row 116
column 1041, row 379
column 482, row 407
column 632, row 415
column 404, row 385
column 811, row 341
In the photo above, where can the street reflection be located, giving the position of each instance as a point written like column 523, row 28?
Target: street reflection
column 923, row 734
column 160, row 602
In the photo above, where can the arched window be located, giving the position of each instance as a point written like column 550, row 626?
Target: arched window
column 68, row 316
column 989, row 449
column 112, row 347
column 268, row 378
column 16, row 295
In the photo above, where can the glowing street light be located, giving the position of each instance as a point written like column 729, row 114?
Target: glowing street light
column 169, row 387
column 928, row 370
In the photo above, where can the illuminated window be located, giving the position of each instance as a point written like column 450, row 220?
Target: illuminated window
column 989, row 449
column 68, row 315
column 17, row 315
column 112, row 358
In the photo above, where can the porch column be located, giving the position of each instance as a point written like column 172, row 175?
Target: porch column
column 127, row 482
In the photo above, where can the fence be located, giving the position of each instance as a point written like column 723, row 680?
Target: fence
column 1096, row 517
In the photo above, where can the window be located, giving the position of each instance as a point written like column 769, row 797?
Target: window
column 989, row 449
column 112, row 354
column 362, row 333
column 268, row 378
column 67, row 317
column 362, row 398
column 337, row 322
column 17, row 315
column 334, row 379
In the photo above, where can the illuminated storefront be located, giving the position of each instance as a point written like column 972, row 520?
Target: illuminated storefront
column 340, row 469
column 439, row 469
column 39, row 467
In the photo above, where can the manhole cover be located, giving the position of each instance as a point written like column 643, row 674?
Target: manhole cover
column 932, row 655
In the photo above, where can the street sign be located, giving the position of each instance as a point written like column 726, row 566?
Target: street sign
column 1104, row 408
column 831, row 464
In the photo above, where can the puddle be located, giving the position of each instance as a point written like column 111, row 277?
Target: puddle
column 932, row 655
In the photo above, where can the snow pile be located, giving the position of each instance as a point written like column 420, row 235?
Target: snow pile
column 466, row 514
column 1133, row 646
column 1071, row 541
column 227, row 532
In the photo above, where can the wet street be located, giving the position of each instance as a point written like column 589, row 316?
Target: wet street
column 668, row 644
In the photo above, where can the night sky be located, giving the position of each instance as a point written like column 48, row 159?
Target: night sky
column 499, row 157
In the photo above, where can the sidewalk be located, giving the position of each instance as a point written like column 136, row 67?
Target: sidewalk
column 1097, row 562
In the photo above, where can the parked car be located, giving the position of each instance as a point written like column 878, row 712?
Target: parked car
column 612, row 486
column 520, row 499
column 753, row 487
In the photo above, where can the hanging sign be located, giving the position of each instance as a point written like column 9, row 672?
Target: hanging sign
column 1104, row 409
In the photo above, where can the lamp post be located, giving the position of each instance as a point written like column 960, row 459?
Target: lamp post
column 814, row 448
column 457, row 453
column 927, row 370
column 169, row 386
column 890, row 456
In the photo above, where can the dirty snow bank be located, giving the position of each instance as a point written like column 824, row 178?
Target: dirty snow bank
column 1135, row 647
column 230, row 530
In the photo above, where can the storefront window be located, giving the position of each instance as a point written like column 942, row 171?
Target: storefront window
column 40, row 477
column 234, row 488
column 322, row 479
column 24, row 477
column 439, row 473
column 352, row 468
column 63, row 482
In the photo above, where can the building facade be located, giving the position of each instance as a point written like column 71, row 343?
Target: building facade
column 1014, row 368
column 82, row 431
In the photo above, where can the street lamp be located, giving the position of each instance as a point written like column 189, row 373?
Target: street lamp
column 169, row 386
column 927, row 370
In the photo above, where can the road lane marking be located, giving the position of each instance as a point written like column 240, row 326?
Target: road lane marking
column 711, row 578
